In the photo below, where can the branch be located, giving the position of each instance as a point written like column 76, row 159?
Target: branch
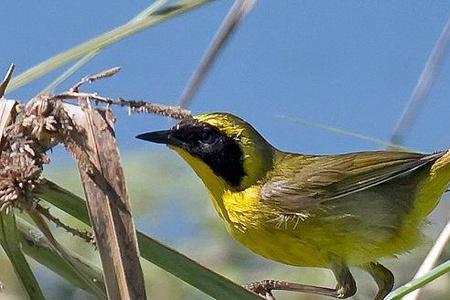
column 94, row 77
column 134, row 106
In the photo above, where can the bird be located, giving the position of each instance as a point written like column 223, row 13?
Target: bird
column 326, row 211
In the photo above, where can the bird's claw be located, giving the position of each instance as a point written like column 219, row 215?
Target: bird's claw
column 262, row 288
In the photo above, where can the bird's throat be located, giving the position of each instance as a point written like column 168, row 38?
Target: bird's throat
column 215, row 184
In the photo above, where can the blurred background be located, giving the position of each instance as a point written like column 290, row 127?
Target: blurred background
column 348, row 64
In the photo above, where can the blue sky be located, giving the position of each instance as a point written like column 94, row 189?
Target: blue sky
column 351, row 64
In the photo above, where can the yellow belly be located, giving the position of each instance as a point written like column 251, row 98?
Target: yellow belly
column 258, row 227
column 312, row 241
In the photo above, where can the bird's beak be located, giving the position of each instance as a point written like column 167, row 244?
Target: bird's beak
column 159, row 137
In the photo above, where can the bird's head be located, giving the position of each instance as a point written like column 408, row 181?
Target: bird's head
column 220, row 147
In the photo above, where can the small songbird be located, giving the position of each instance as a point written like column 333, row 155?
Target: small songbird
column 327, row 211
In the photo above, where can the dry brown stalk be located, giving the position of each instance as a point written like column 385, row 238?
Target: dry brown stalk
column 134, row 106
column 6, row 80
column 8, row 114
column 91, row 78
column 108, row 204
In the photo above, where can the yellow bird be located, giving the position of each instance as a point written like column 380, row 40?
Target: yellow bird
column 327, row 211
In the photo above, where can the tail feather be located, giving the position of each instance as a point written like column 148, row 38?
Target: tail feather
column 434, row 185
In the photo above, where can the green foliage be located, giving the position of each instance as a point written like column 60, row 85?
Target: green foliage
column 11, row 243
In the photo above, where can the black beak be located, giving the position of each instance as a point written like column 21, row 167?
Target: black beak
column 159, row 137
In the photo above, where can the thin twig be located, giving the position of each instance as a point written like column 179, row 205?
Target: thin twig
column 94, row 77
column 69, row 72
column 85, row 235
column 422, row 89
column 136, row 106
column 234, row 17
column 6, row 80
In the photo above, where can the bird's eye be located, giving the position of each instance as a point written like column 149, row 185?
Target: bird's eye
column 207, row 137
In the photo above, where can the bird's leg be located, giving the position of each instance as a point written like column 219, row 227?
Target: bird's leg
column 346, row 285
column 382, row 276
column 345, row 288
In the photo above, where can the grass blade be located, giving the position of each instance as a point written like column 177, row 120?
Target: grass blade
column 345, row 132
column 150, row 10
column 432, row 257
column 153, row 251
column 10, row 241
column 36, row 246
column 102, row 41
column 419, row 282
column 64, row 200
column 63, row 253
column 88, row 57
column 234, row 17
column 70, row 71
column 423, row 87
column 191, row 272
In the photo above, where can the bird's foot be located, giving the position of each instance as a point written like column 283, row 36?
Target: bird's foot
column 264, row 288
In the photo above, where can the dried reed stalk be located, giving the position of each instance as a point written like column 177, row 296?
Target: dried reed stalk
column 107, row 200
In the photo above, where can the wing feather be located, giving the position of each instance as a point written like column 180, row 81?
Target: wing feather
column 301, row 183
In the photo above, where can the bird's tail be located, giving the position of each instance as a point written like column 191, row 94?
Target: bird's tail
column 434, row 185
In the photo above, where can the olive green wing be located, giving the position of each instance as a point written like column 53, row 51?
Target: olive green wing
column 301, row 183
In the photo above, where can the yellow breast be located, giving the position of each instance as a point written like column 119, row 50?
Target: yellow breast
column 258, row 227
